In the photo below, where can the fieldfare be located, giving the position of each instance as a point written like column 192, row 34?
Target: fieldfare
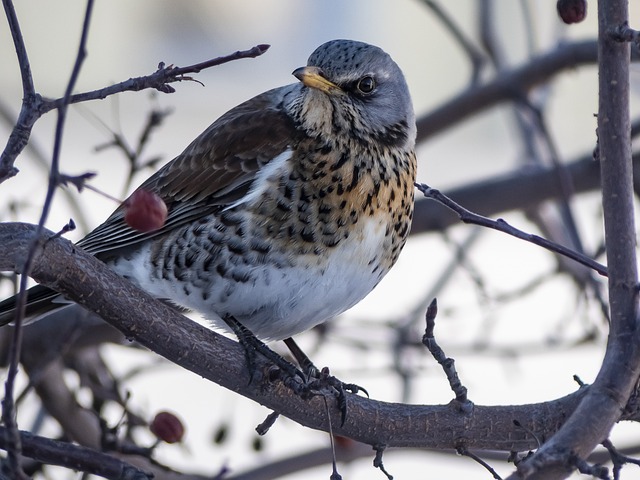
column 286, row 211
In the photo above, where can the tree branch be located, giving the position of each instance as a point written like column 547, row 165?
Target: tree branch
column 75, row 457
column 592, row 421
column 84, row 279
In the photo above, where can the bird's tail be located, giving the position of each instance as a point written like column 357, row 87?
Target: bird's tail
column 40, row 300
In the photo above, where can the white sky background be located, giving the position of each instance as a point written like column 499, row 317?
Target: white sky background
column 129, row 39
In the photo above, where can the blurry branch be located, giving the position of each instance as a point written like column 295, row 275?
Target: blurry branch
column 75, row 457
column 554, row 219
column 508, row 85
column 476, row 57
column 51, row 347
column 84, row 279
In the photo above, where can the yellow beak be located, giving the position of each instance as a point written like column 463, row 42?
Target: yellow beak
column 312, row 77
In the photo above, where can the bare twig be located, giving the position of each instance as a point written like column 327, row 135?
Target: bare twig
column 529, row 432
column 34, row 107
column 264, row 427
column 596, row 471
column 41, row 160
column 466, row 453
column 160, row 79
column 447, row 364
column 467, row 216
column 517, row 190
column 618, row 459
column 68, row 227
column 334, row 473
column 624, row 33
column 592, row 421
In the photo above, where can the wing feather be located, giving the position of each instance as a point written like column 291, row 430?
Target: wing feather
column 217, row 168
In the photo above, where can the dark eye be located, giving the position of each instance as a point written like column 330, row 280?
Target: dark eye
column 366, row 85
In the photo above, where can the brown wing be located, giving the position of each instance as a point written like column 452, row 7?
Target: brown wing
column 214, row 170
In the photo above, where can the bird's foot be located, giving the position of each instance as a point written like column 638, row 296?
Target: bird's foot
column 321, row 382
column 308, row 382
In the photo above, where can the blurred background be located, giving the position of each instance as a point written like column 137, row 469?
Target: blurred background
column 518, row 324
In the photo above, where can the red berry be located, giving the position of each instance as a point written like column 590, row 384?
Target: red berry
column 145, row 211
column 167, row 427
column 572, row 11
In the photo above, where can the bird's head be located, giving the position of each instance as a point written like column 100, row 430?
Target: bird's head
column 357, row 86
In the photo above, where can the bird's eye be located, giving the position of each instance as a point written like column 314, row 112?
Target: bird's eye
column 366, row 85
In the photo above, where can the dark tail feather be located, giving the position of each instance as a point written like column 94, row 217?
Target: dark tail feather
column 40, row 300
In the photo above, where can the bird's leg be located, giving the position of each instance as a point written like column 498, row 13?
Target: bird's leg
column 253, row 345
column 303, row 360
column 314, row 372
column 318, row 379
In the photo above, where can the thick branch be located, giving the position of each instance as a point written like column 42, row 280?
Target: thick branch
column 157, row 326
column 592, row 421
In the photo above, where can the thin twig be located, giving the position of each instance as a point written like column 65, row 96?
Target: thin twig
column 624, row 33
column 35, row 106
column 20, row 134
column 28, row 87
column 467, row 216
column 528, row 431
column 618, row 459
column 584, row 467
column 160, row 79
column 466, row 453
column 264, row 427
column 334, row 473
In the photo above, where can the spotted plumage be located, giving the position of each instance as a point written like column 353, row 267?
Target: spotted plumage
column 288, row 209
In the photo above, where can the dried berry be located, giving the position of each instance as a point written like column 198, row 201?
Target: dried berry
column 145, row 211
column 167, row 427
column 572, row 11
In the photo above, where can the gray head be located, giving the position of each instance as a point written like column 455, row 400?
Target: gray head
column 364, row 86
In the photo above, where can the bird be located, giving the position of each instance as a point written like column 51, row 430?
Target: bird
column 286, row 211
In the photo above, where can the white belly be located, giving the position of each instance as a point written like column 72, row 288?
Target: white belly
column 281, row 302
